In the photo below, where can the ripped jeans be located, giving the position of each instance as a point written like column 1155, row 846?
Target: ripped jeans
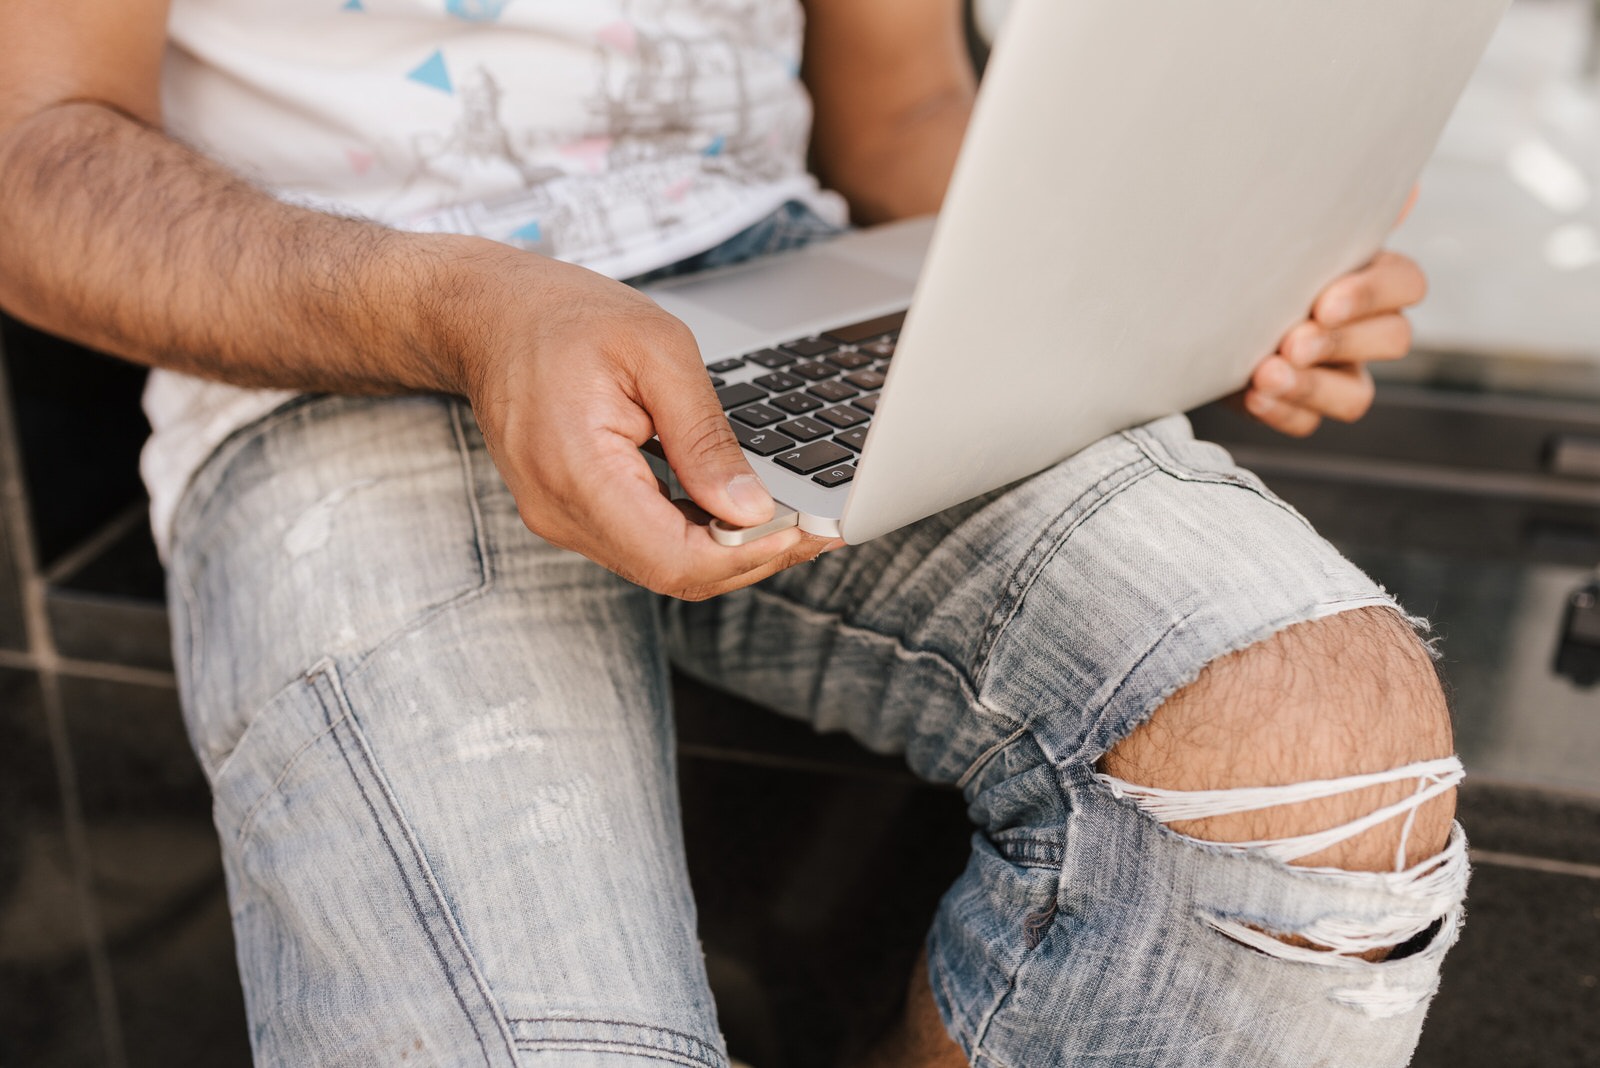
column 442, row 758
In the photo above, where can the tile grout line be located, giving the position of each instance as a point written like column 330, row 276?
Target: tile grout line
column 90, row 669
column 1540, row 864
column 46, row 663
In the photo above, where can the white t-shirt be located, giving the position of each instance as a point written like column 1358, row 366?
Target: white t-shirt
column 622, row 135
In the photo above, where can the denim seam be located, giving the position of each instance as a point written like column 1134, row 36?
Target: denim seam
column 1005, row 608
column 233, row 445
column 1163, row 458
column 1044, row 547
column 980, row 1055
column 680, row 1046
column 242, row 838
column 480, row 543
column 325, row 674
column 683, row 1047
column 901, row 649
column 600, row 1045
column 967, row 1034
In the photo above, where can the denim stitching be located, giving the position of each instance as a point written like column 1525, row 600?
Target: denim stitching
column 844, row 626
column 1174, row 467
column 600, row 1045
column 480, row 542
column 696, row 1050
column 245, row 825
column 938, row 976
column 325, row 671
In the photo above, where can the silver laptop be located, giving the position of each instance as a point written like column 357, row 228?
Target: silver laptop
column 1150, row 194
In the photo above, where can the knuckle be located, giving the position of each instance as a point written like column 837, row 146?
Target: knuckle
column 709, row 434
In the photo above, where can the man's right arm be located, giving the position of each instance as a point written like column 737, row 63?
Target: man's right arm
column 116, row 236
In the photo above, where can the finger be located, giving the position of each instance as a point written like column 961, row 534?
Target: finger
column 1290, row 419
column 1390, row 282
column 698, row 441
column 635, row 532
column 1411, row 202
column 1382, row 337
column 809, row 548
column 1342, row 392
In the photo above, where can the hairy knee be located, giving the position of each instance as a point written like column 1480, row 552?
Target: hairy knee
column 1341, row 700
column 1327, row 746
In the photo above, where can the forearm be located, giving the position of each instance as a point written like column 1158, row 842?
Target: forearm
column 122, row 239
column 893, row 88
column 905, row 171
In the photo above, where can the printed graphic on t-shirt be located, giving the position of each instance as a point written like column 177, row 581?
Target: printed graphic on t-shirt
column 582, row 129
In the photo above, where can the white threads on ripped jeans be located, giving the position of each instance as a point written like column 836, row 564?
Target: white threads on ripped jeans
column 1434, row 777
column 1424, row 894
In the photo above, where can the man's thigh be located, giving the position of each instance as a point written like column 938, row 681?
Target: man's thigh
column 441, row 755
column 1069, row 605
column 1006, row 646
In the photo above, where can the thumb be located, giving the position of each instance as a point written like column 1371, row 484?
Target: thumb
column 703, row 452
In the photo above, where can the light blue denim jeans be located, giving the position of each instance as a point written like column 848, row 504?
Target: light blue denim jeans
column 442, row 755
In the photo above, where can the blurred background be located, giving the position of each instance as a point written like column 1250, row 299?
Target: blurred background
column 1472, row 491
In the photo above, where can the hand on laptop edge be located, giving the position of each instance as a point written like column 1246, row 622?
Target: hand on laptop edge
column 594, row 370
column 1320, row 369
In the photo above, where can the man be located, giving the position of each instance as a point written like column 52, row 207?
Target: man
column 421, row 641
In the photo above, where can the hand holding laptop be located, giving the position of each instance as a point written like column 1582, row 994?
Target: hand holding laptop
column 569, row 373
column 1320, row 368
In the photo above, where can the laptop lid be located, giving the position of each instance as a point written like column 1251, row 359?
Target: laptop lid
column 1150, row 194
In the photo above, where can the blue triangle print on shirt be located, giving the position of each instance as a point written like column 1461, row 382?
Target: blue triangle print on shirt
column 529, row 233
column 476, row 10
column 433, row 73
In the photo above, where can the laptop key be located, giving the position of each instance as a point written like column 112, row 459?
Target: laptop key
column 762, row 442
column 834, row 476
column 816, row 371
column 796, row 403
column 868, row 403
column 742, row 393
column 883, row 350
column 758, row 415
column 804, row 429
column 832, row 391
column 722, row 367
column 813, row 457
column 779, row 382
column 850, row 361
column 853, row 439
column 810, row 346
column 718, row 383
column 771, row 359
column 863, row 379
column 883, row 324
column 841, row 416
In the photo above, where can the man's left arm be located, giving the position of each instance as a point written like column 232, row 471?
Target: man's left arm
column 893, row 88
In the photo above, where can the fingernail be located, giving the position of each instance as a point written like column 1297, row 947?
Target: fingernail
column 836, row 543
column 750, row 496
column 1259, row 402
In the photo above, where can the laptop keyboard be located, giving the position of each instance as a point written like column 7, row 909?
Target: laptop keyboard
column 807, row 404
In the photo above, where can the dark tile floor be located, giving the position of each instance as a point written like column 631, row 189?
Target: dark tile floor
column 813, row 901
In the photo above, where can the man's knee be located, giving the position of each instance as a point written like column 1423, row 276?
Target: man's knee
column 1350, row 694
